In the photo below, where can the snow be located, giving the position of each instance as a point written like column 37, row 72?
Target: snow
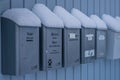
column 112, row 23
column 47, row 17
column 118, row 18
column 22, row 17
column 100, row 23
column 69, row 20
column 84, row 19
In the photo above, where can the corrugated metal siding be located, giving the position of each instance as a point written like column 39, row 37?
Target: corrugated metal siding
column 98, row 70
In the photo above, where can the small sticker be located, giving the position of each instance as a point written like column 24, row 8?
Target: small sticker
column 90, row 37
column 72, row 36
column 101, row 37
column 30, row 37
column 89, row 53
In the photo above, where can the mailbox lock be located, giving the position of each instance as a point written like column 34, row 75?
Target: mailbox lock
column 77, row 60
column 58, row 64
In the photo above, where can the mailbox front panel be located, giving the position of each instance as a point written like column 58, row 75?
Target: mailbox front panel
column 88, row 45
column 52, row 48
column 29, row 50
column 20, row 48
column 71, row 47
column 101, row 44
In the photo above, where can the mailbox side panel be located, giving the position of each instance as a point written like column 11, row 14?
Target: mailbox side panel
column 72, row 47
column 8, row 46
column 43, row 44
column 116, row 53
column 29, row 50
column 101, row 43
column 52, row 48
column 88, row 45
column 113, row 45
column 110, row 44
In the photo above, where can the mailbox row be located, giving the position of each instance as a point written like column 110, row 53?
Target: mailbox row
column 42, row 40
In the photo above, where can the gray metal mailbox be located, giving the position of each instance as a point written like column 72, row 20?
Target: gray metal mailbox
column 113, row 37
column 51, row 42
column 20, row 42
column 71, row 32
column 101, row 37
column 87, row 36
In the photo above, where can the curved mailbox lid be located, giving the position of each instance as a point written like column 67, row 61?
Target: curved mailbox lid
column 88, row 36
column 22, row 17
column 112, row 23
column 68, row 20
column 47, row 17
column 51, row 37
column 100, row 23
column 100, row 36
column 84, row 19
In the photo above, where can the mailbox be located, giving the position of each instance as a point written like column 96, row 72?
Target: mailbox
column 20, row 41
column 71, row 53
column 51, row 42
column 101, row 36
column 87, row 36
column 113, row 37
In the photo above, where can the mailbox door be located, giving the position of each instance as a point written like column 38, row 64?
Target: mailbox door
column 52, row 44
column 101, row 44
column 88, row 45
column 72, row 47
column 29, row 50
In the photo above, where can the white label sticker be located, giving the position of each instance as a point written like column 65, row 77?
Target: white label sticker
column 90, row 37
column 72, row 36
column 89, row 53
column 101, row 37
